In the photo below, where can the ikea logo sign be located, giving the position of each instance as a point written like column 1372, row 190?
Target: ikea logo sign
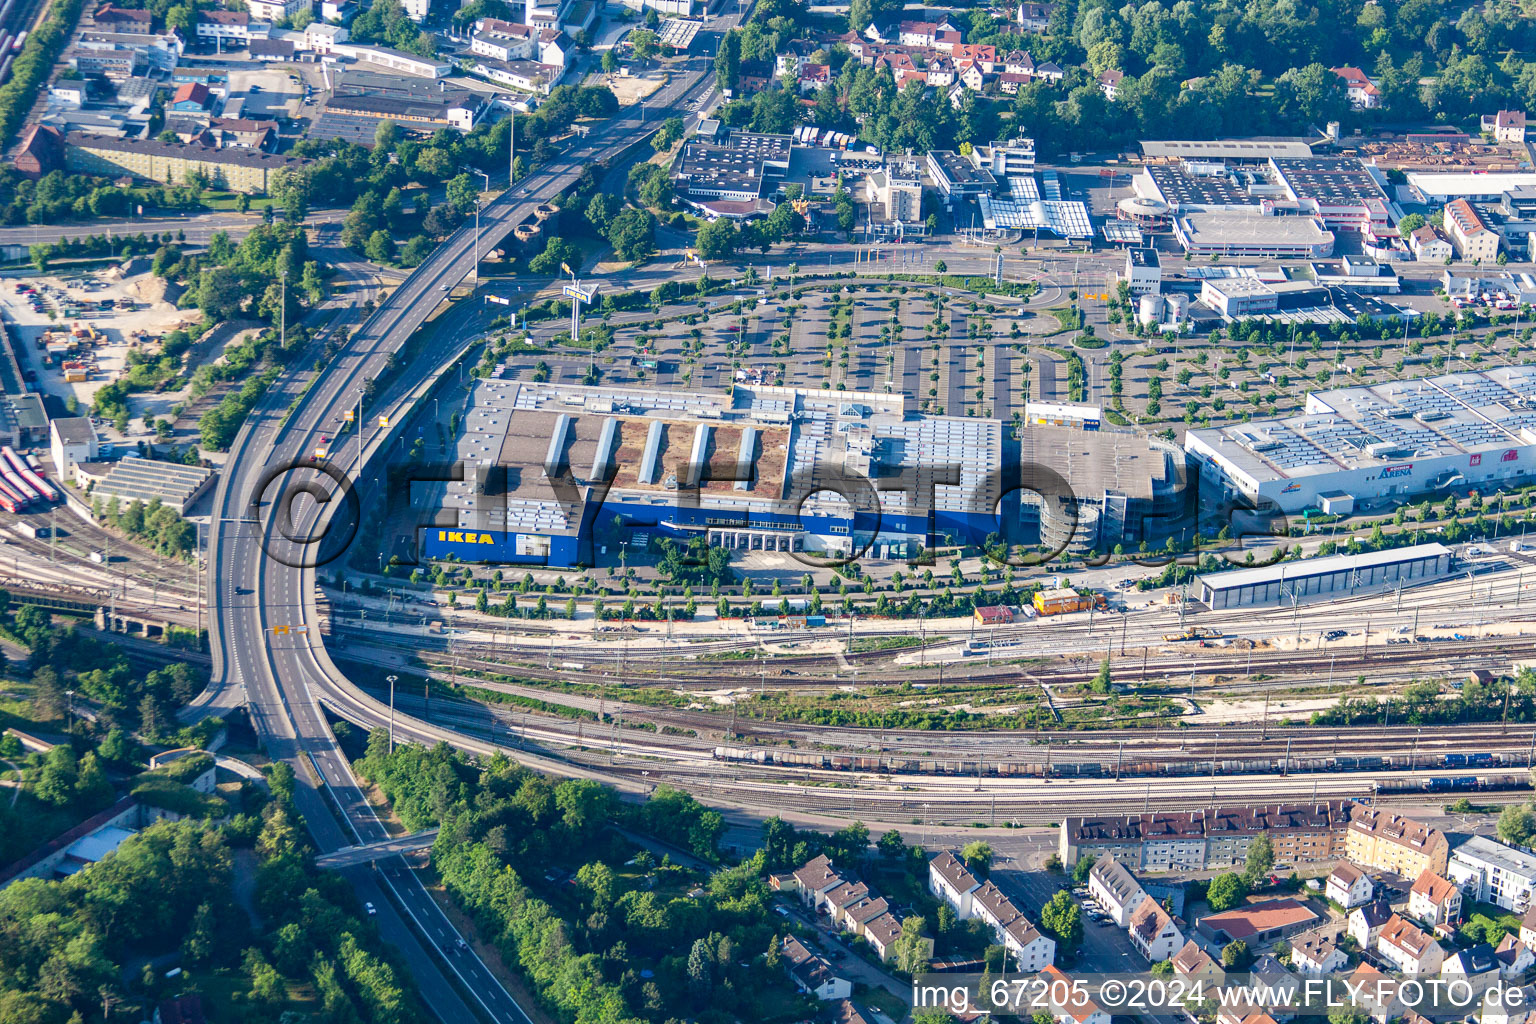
column 458, row 537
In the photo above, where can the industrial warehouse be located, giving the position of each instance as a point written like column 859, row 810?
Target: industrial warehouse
column 564, row 475
column 1379, row 444
column 1328, row 579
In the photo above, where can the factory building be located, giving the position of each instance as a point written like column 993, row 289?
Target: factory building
column 1322, row 579
column 564, row 475
column 1381, row 444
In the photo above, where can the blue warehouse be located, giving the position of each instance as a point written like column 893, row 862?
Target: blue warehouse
column 563, row 475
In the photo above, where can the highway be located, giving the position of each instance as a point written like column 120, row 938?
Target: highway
column 261, row 578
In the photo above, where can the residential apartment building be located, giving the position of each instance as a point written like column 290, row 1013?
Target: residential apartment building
column 1434, row 900
column 1153, row 932
column 1363, row 93
column 224, row 26
column 1515, row 957
column 1315, row 955
column 1364, row 924
column 1348, row 886
column 1494, row 873
column 1301, row 835
column 1074, row 1006
column 1194, row 963
column 277, row 10
column 950, row 881
column 1474, row 240
column 1506, row 126
column 241, row 170
column 503, row 40
column 1115, row 889
column 1386, row 841
column 1429, row 246
column 1408, row 947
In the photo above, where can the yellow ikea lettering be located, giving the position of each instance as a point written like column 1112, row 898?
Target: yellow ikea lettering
column 485, row 538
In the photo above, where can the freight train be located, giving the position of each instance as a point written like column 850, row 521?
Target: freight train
column 1054, row 769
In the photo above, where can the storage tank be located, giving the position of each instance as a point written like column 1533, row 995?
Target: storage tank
column 1178, row 308
column 1151, row 309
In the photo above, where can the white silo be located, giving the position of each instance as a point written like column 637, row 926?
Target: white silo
column 1151, row 309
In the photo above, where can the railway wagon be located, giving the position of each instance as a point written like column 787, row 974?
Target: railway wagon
column 1044, row 767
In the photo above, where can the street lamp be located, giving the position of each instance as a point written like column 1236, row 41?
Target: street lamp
column 392, row 680
column 487, row 178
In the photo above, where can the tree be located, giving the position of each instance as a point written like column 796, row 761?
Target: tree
column 891, row 846
column 92, row 788
column 1517, row 825
column 941, row 267
column 716, row 240
column 556, row 251
column 1234, row 954
column 911, row 949
column 48, row 704
column 728, row 61
column 1261, row 857
column 1064, row 921
column 56, row 784
column 644, row 42
column 462, row 193
column 1226, row 891
column 1409, row 224
column 977, row 857
column 863, row 13
column 1102, row 683
column 381, row 247
column 633, row 234
column 1081, row 869
column 610, row 61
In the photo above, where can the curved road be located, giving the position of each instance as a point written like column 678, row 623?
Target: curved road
column 263, row 604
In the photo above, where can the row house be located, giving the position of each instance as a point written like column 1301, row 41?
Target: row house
column 811, row 972
column 1212, row 837
column 850, row 905
column 950, row 881
column 941, row 72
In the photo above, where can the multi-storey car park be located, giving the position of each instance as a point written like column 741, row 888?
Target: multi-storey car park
column 563, row 474
column 1382, row 442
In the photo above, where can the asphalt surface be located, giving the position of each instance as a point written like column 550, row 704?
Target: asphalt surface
column 266, row 649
